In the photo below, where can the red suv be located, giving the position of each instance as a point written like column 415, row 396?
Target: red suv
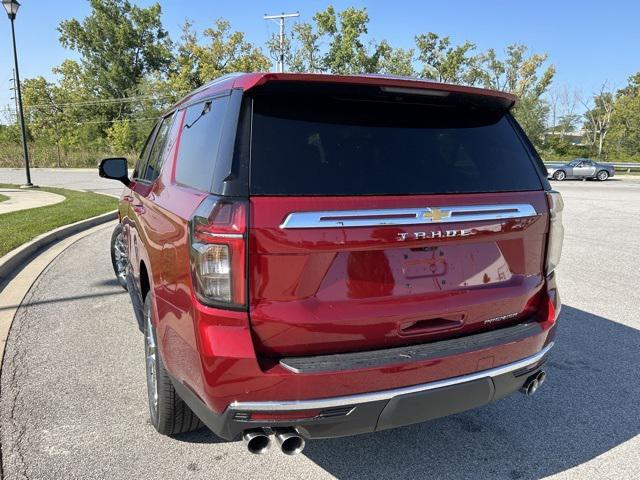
column 314, row 256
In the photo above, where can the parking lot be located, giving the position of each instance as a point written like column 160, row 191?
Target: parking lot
column 73, row 397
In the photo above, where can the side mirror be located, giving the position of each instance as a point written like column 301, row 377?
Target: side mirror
column 115, row 169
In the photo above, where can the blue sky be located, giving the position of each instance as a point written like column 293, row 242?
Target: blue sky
column 588, row 41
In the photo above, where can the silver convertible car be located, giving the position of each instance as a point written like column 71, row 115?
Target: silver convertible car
column 581, row 168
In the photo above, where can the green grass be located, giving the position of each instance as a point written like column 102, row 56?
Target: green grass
column 24, row 225
column 3, row 198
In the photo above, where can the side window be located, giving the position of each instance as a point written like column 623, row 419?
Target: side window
column 201, row 133
column 157, row 151
column 144, row 155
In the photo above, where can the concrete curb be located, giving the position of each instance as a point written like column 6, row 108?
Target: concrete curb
column 12, row 262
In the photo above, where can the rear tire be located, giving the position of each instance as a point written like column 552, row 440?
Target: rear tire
column 602, row 175
column 560, row 175
column 119, row 257
column 168, row 413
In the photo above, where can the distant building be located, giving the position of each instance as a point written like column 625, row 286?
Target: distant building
column 576, row 137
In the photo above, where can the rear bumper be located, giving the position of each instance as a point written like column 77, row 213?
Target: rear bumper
column 373, row 411
column 361, row 394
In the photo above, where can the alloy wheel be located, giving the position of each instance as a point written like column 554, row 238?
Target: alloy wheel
column 151, row 354
column 120, row 256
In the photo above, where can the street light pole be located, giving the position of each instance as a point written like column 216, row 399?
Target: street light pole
column 12, row 8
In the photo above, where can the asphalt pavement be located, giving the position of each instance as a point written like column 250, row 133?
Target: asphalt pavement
column 73, row 398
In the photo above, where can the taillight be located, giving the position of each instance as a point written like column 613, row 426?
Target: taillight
column 556, row 231
column 217, row 234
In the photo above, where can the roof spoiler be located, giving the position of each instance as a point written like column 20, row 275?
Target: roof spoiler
column 399, row 86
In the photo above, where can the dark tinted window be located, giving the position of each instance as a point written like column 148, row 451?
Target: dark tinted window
column 144, row 156
column 199, row 143
column 329, row 146
column 156, row 156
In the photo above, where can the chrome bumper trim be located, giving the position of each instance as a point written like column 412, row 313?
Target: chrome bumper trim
column 322, row 403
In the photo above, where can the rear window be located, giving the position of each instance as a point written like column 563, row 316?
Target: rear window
column 333, row 146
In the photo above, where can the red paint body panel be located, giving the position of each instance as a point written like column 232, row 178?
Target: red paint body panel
column 327, row 290
column 334, row 290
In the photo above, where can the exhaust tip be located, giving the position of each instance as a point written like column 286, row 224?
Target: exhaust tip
column 542, row 376
column 532, row 387
column 257, row 441
column 533, row 383
column 291, row 443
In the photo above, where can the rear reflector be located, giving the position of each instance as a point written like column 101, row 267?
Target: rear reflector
column 294, row 415
column 275, row 416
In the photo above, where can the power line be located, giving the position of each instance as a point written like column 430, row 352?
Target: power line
column 109, row 101
column 131, row 119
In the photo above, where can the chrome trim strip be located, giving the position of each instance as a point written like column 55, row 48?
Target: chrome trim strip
column 321, row 403
column 407, row 216
column 223, row 235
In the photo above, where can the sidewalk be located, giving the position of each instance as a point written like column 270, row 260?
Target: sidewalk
column 27, row 198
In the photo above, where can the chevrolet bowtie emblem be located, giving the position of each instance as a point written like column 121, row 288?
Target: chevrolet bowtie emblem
column 435, row 214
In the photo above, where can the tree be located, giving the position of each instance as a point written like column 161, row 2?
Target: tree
column 599, row 110
column 59, row 113
column 119, row 43
column 121, row 136
column 623, row 139
column 347, row 52
column 395, row 61
column 43, row 114
column 225, row 51
column 524, row 76
column 517, row 73
column 273, row 46
column 9, row 134
column 443, row 62
column 562, row 120
column 306, row 57
column 128, row 71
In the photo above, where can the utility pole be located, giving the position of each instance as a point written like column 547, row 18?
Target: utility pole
column 281, row 18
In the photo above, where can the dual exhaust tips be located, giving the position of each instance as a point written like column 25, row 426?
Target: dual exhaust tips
column 258, row 441
column 533, row 383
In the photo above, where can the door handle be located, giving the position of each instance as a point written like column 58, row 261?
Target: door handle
column 127, row 198
column 139, row 209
